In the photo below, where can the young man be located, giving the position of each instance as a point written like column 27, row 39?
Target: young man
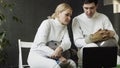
column 91, row 27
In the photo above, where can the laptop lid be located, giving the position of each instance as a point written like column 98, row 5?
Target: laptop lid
column 98, row 57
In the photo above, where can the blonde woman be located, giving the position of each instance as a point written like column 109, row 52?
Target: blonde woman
column 53, row 28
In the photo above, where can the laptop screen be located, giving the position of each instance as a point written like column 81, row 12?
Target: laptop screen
column 99, row 57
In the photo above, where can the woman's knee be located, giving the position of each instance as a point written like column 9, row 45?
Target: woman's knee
column 72, row 64
column 38, row 61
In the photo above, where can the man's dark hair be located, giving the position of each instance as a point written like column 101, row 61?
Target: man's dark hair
column 90, row 1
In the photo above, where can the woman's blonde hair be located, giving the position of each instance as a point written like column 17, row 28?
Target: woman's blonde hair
column 60, row 8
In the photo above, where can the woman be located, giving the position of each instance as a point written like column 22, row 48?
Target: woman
column 54, row 28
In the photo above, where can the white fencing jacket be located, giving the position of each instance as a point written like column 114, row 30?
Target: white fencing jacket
column 82, row 26
column 50, row 29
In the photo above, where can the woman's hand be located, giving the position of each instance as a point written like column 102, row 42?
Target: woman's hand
column 57, row 53
column 63, row 60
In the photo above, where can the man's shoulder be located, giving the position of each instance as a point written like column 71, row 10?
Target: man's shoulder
column 79, row 16
column 101, row 14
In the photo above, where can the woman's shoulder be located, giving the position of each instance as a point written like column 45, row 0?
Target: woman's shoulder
column 48, row 20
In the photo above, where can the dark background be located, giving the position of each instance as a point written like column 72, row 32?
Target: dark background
column 33, row 12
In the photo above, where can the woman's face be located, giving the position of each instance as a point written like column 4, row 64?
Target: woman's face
column 65, row 16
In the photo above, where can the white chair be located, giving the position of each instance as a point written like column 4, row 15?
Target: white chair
column 22, row 44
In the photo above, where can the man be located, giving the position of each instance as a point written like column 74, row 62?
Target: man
column 91, row 27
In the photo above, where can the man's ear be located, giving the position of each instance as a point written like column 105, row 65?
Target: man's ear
column 97, row 6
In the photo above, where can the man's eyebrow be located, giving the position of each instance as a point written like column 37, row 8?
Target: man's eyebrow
column 90, row 7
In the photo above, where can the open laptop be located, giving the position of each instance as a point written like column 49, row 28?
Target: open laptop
column 99, row 57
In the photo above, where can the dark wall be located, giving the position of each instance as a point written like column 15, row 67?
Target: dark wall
column 32, row 13
column 116, row 24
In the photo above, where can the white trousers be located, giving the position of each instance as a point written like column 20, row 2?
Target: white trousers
column 38, row 60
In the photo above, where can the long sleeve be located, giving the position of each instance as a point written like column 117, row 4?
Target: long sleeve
column 42, row 33
column 50, row 29
column 82, row 27
column 77, row 33
column 108, row 25
column 39, row 43
column 66, row 44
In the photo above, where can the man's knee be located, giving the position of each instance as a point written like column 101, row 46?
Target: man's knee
column 108, row 43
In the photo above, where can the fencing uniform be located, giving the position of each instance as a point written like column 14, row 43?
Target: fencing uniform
column 50, row 29
column 82, row 27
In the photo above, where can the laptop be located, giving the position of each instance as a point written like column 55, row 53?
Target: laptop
column 99, row 57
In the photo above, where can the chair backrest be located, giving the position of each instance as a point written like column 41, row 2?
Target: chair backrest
column 22, row 44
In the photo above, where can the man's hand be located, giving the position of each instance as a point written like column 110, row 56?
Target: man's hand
column 101, row 35
column 111, row 33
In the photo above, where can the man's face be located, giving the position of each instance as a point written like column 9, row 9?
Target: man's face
column 89, row 9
